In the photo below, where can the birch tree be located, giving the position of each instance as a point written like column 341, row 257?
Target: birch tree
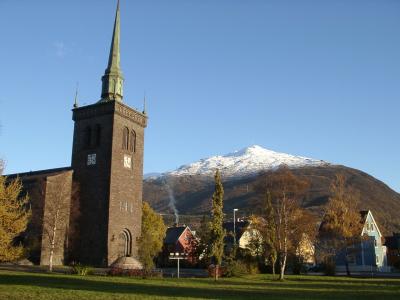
column 56, row 215
column 286, row 191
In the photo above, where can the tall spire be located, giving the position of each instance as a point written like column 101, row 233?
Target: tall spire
column 112, row 87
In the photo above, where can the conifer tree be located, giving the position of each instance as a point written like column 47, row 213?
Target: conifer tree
column 151, row 240
column 14, row 217
column 217, row 233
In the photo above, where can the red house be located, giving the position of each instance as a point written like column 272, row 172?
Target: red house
column 180, row 239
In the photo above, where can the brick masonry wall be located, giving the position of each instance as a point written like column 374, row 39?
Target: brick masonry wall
column 110, row 194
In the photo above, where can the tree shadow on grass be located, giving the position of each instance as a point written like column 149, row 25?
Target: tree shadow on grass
column 223, row 290
column 349, row 281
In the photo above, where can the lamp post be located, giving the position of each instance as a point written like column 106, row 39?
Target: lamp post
column 234, row 227
column 178, row 256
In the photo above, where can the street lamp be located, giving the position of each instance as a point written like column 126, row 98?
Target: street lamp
column 178, row 256
column 234, row 226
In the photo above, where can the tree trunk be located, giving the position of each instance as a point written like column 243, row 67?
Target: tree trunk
column 216, row 269
column 346, row 262
column 52, row 244
column 282, row 267
column 273, row 267
column 51, row 260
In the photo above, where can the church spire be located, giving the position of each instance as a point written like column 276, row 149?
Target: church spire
column 112, row 87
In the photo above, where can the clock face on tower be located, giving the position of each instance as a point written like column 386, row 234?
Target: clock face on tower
column 91, row 159
column 127, row 161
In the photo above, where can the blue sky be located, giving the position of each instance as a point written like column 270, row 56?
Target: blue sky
column 313, row 78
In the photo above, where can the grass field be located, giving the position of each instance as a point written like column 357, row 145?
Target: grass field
column 21, row 286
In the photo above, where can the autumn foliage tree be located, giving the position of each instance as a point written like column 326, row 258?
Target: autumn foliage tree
column 286, row 220
column 14, row 217
column 151, row 240
column 265, row 224
column 217, row 232
column 341, row 226
column 56, row 216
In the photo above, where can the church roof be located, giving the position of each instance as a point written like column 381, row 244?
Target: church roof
column 39, row 173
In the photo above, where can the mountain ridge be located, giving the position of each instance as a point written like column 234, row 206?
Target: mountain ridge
column 190, row 192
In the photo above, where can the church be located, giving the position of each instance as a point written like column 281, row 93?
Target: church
column 91, row 211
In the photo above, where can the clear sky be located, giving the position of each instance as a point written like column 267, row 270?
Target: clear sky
column 313, row 78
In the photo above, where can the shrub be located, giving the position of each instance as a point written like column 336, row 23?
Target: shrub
column 329, row 268
column 81, row 270
column 235, row 268
column 135, row 273
column 299, row 267
column 253, row 268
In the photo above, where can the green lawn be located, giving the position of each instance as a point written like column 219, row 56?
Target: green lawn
column 21, row 286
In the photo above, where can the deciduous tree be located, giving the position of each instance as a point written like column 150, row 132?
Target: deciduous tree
column 285, row 191
column 151, row 240
column 341, row 226
column 265, row 224
column 56, row 215
column 203, row 235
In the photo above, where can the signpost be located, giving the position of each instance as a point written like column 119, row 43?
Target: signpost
column 178, row 256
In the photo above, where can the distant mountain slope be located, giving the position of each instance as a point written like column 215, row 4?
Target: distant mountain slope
column 190, row 187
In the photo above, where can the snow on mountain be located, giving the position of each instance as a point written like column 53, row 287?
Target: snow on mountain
column 151, row 175
column 244, row 162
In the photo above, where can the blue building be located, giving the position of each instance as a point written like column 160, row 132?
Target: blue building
column 370, row 254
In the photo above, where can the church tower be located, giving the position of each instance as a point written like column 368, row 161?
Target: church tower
column 107, row 160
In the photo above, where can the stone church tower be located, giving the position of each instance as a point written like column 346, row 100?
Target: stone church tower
column 107, row 163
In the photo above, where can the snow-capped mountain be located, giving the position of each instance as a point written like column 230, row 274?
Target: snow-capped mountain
column 248, row 161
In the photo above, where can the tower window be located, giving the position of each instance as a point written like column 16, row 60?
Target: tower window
column 132, row 146
column 98, row 135
column 125, row 139
column 88, row 137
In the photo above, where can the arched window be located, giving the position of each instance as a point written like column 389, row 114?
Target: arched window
column 132, row 146
column 125, row 243
column 125, row 139
column 98, row 135
column 88, row 137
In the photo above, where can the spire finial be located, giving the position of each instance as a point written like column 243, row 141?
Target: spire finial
column 76, row 96
column 113, row 79
column 144, row 103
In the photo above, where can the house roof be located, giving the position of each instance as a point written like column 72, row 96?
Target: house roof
column 241, row 227
column 173, row 234
column 364, row 214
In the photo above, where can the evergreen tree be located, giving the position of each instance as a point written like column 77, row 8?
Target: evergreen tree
column 151, row 240
column 217, row 233
column 14, row 217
